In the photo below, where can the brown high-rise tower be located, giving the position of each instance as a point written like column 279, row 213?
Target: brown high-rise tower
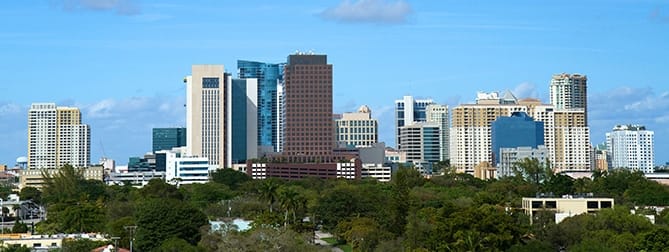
column 308, row 126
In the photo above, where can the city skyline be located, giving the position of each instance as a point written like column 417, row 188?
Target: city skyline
column 123, row 62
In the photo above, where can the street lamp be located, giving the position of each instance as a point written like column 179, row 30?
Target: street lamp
column 131, row 230
column 115, row 239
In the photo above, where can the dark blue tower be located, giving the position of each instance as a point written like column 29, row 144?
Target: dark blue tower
column 517, row 130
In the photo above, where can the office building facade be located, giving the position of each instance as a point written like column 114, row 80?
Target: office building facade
column 206, row 113
column 408, row 111
column 631, row 147
column 308, row 129
column 168, row 138
column 243, row 126
column 357, row 129
column 57, row 137
column 421, row 142
column 269, row 77
column 508, row 157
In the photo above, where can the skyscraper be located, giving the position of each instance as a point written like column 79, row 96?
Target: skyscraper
column 243, row 126
column 57, row 137
column 357, row 129
column 570, row 91
column 269, row 77
column 631, row 147
column 307, row 100
column 407, row 111
column 206, row 113
column 168, row 138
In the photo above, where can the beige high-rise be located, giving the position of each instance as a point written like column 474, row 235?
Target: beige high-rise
column 206, row 97
column 57, row 137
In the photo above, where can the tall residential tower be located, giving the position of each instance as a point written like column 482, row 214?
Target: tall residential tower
column 631, row 147
column 569, row 92
column 57, row 137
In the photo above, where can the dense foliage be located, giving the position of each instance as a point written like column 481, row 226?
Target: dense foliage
column 452, row 212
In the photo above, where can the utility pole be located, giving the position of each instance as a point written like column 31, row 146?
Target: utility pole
column 131, row 231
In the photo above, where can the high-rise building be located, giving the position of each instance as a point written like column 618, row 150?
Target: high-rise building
column 421, row 142
column 57, row 137
column 306, row 127
column 243, row 129
column 570, row 91
column 307, row 100
column 206, row 113
column 517, row 130
column 439, row 114
column 357, row 129
column 572, row 150
column 631, row 147
column 269, row 77
column 407, row 111
column 168, row 138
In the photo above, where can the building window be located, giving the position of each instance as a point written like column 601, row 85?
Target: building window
column 209, row 82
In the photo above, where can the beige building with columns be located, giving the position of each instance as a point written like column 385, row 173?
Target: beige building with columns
column 206, row 110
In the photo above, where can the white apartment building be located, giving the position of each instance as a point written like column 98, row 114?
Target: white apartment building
column 631, row 147
column 357, row 129
column 57, row 137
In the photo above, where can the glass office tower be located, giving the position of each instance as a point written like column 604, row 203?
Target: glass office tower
column 269, row 76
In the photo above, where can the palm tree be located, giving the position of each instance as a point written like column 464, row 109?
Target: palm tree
column 290, row 199
column 268, row 191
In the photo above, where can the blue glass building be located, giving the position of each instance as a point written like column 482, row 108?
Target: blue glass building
column 517, row 130
column 239, row 126
column 168, row 138
column 269, row 76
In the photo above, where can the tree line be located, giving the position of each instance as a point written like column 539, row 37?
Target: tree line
column 452, row 212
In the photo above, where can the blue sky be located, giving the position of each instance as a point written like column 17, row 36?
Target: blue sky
column 122, row 61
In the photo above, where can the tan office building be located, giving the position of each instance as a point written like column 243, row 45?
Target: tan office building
column 206, row 110
column 358, row 129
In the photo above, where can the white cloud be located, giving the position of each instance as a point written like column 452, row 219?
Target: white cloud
column 121, row 7
column 369, row 11
column 101, row 109
column 9, row 108
column 526, row 90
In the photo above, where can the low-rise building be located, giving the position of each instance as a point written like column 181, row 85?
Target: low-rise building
column 138, row 179
column 35, row 178
column 566, row 206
